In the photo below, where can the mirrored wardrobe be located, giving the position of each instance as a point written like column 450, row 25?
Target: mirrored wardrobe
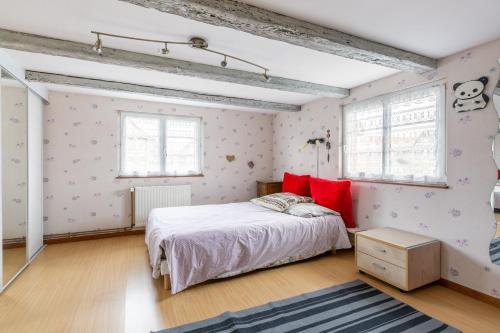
column 14, row 98
column 21, row 216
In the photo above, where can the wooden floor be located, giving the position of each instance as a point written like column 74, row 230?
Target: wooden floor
column 13, row 260
column 105, row 286
column 497, row 218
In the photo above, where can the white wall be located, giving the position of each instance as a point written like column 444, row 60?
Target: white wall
column 82, row 143
column 461, row 216
column 496, row 152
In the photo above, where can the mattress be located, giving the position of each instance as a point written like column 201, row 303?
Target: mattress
column 210, row 241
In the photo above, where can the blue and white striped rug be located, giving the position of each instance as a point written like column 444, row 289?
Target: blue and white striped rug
column 495, row 250
column 351, row 307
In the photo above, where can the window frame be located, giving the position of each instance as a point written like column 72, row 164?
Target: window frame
column 441, row 124
column 163, row 144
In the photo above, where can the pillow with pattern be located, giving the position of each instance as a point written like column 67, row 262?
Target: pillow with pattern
column 280, row 201
column 309, row 210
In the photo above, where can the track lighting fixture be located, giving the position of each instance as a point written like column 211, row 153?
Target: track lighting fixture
column 195, row 42
column 98, row 45
column 165, row 50
column 266, row 76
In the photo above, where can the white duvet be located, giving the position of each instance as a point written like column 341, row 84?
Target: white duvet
column 204, row 242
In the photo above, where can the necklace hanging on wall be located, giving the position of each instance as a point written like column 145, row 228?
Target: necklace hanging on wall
column 328, row 145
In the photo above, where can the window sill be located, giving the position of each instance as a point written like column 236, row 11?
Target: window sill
column 153, row 177
column 395, row 182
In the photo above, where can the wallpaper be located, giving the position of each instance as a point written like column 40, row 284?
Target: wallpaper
column 81, row 147
column 291, row 132
column 14, row 163
column 461, row 216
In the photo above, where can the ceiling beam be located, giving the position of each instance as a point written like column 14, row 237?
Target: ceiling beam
column 264, row 23
column 181, row 95
column 63, row 48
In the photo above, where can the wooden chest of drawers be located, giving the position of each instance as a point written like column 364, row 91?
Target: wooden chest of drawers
column 403, row 259
column 268, row 187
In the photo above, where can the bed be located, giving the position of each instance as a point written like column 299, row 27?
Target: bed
column 193, row 244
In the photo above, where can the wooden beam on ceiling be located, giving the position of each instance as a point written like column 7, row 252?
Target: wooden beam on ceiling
column 264, row 23
column 63, row 48
column 181, row 95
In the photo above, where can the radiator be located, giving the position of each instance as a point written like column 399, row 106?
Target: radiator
column 145, row 198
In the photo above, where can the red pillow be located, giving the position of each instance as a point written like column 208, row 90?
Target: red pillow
column 336, row 195
column 296, row 184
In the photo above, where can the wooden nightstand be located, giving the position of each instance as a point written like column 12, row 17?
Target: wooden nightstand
column 268, row 187
column 351, row 232
column 401, row 258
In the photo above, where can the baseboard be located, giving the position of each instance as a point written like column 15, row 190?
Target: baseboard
column 14, row 243
column 470, row 292
column 90, row 235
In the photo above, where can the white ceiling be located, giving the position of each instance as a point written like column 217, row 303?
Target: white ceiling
column 433, row 28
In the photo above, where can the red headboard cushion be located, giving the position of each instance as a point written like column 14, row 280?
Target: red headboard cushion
column 296, row 184
column 336, row 195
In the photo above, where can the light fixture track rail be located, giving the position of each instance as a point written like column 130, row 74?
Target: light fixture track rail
column 195, row 42
column 99, row 33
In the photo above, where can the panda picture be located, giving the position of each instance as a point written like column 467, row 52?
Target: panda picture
column 470, row 95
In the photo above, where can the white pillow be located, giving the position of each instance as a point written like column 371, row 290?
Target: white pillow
column 309, row 210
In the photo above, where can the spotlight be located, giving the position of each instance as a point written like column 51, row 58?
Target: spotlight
column 266, row 76
column 98, row 45
column 165, row 50
column 223, row 63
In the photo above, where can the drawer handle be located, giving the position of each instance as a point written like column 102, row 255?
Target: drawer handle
column 380, row 249
column 378, row 266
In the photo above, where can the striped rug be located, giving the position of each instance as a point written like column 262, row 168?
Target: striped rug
column 351, row 307
column 495, row 250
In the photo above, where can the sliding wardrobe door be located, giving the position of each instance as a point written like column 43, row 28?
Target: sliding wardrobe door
column 35, row 174
column 14, row 175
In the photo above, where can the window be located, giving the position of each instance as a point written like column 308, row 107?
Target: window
column 397, row 137
column 158, row 145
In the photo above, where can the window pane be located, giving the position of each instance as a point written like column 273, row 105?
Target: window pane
column 397, row 137
column 363, row 133
column 414, row 139
column 141, row 155
column 183, row 146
